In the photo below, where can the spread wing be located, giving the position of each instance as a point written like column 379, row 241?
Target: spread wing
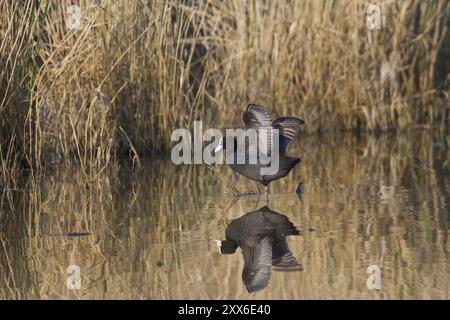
column 283, row 259
column 257, row 118
column 288, row 127
column 257, row 264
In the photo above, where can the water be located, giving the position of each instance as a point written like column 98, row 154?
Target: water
column 366, row 201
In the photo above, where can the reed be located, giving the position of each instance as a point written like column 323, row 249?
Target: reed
column 135, row 70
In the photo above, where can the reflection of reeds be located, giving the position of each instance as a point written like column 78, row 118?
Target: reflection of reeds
column 136, row 70
column 372, row 201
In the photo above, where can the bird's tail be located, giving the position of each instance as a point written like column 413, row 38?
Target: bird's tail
column 296, row 161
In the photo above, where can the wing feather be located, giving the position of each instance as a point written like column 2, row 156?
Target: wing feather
column 257, row 118
column 288, row 127
column 257, row 264
column 282, row 257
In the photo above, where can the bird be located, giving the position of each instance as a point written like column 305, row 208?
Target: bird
column 258, row 119
column 261, row 235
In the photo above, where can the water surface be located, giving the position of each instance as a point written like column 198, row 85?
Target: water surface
column 366, row 201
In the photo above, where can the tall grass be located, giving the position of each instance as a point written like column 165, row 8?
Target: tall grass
column 136, row 70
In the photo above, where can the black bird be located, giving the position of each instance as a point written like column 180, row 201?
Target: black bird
column 261, row 235
column 257, row 118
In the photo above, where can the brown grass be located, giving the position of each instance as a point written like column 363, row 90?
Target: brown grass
column 136, row 70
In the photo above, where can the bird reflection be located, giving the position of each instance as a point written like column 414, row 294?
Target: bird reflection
column 261, row 235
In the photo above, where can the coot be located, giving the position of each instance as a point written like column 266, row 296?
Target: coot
column 258, row 119
column 261, row 235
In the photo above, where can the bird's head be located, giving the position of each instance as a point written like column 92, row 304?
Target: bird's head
column 226, row 246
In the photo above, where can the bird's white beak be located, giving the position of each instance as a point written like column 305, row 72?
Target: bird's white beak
column 219, row 146
column 219, row 245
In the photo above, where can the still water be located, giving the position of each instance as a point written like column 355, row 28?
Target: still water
column 149, row 234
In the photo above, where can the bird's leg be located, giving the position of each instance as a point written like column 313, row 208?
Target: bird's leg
column 257, row 188
column 266, row 194
column 251, row 193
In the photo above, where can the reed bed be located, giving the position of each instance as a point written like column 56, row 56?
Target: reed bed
column 75, row 103
column 135, row 70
